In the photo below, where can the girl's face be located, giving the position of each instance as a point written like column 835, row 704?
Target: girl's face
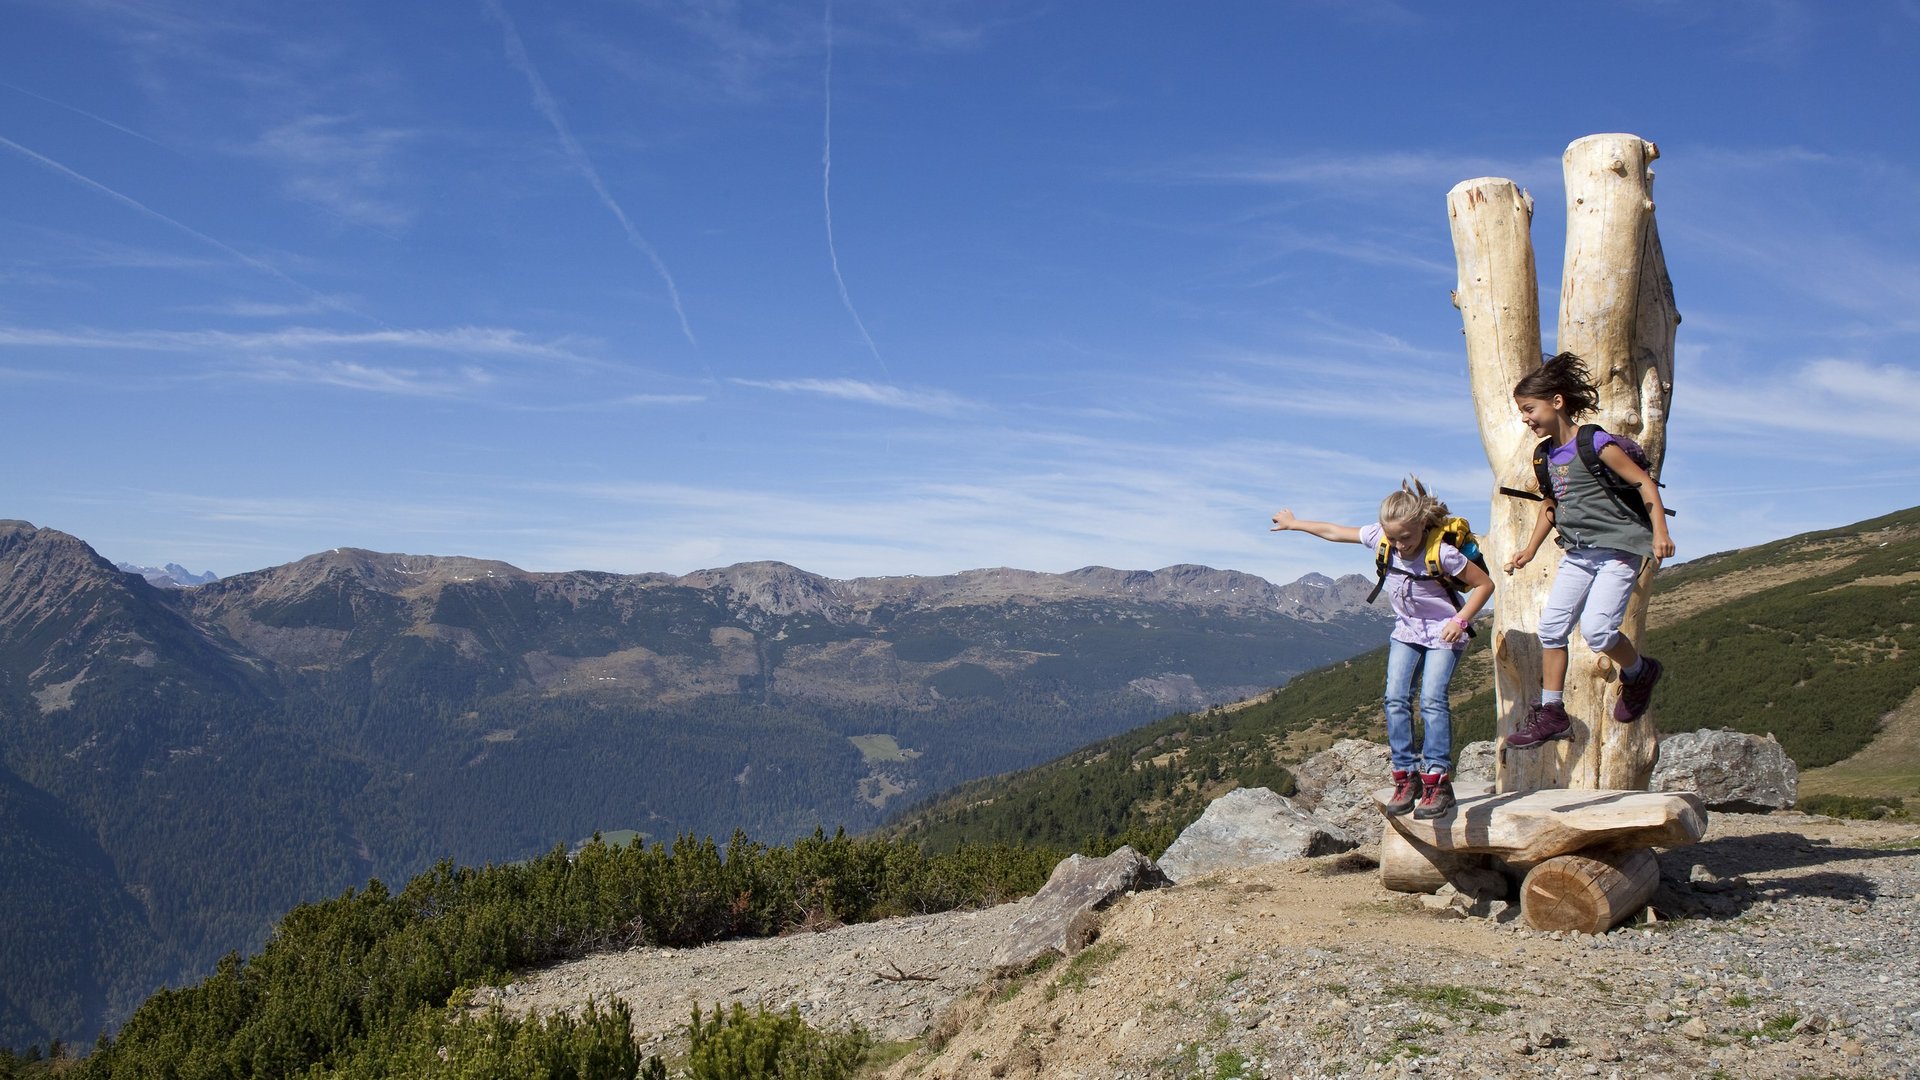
column 1405, row 536
column 1543, row 416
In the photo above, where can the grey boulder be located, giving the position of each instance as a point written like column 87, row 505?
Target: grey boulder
column 1730, row 770
column 1249, row 827
column 1060, row 917
column 1337, row 785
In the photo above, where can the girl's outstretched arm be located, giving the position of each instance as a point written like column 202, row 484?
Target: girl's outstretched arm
column 1616, row 459
column 1542, row 523
column 1284, row 521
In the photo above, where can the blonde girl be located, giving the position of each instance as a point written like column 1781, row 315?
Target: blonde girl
column 1429, row 634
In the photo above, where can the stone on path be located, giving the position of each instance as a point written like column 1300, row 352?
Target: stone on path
column 1248, row 827
column 1057, row 918
column 1729, row 770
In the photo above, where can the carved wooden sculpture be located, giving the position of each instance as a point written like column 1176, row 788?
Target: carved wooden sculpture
column 1617, row 313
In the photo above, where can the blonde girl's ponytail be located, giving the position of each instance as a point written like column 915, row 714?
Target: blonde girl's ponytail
column 1413, row 503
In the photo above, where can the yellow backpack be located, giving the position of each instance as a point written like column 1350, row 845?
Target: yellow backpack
column 1455, row 531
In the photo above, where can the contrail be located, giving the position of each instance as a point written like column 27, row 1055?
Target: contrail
column 258, row 264
column 123, row 129
column 826, row 201
column 544, row 101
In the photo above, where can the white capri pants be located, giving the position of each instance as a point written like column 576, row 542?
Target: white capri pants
column 1592, row 585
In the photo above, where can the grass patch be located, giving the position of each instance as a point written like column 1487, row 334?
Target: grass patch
column 880, row 748
column 1230, row 1065
column 1451, row 1000
column 1085, row 962
column 1859, row 807
column 1776, row 1028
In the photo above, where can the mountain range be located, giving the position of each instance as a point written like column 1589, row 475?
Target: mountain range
column 170, row 576
column 179, row 766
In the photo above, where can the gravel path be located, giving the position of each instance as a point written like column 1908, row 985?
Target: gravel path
column 1801, row 959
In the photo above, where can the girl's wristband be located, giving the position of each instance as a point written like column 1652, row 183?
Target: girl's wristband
column 1461, row 623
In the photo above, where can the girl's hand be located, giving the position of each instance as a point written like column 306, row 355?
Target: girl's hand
column 1282, row 521
column 1663, row 545
column 1450, row 632
column 1519, row 559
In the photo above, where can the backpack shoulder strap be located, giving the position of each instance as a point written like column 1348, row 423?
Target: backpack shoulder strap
column 1540, row 477
column 1590, row 457
column 1435, row 536
column 1381, row 550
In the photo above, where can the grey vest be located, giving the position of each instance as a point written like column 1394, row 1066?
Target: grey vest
column 1586, row 515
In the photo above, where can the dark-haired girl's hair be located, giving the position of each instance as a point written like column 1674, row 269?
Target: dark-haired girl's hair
column 1565, row 375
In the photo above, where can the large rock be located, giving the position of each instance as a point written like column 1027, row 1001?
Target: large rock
column 1337, row 785
column 1729, row 770
column 1248, row 827
column 1059, row 916
column 1474, row 763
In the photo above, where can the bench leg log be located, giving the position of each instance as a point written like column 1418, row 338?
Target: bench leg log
column 1591, row 892
column 1412, row 867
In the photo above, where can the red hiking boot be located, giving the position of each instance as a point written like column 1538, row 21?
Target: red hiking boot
column 1406, row 790
column 1436, row 796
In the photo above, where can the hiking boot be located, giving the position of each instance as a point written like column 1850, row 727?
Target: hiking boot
column 1406, row 790
column 1436, row 796
column 1545, row 722
column 1636, row 695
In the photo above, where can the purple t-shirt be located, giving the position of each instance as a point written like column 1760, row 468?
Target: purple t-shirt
column 1563, row 456
column 1420, row 608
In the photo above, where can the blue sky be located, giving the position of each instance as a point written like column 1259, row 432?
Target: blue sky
column 907, row 286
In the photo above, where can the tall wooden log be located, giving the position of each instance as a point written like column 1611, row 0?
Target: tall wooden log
column 1616, row 312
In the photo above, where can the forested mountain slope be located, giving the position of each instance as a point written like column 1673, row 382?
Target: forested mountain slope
column 193, row 762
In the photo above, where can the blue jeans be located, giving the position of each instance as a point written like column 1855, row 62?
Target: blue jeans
column 1436, row 716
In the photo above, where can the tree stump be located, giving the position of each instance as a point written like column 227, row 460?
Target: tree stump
column 1617, row 313
column 1590, row 892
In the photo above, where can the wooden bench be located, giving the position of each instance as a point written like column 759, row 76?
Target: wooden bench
column 1583, row 856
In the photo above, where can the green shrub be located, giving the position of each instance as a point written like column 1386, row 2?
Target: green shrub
column 1869, row 807
column 763, row 1045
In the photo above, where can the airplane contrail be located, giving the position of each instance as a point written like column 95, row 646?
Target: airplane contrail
column 258, row 264
column 543, row 100
column 826, row 200
column 122, row 128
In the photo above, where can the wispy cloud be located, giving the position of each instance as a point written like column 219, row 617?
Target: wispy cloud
column 465, row 340
column 351, row 375
column 1830, row 397
column 544, row 101
column 344, row 168
column 892, row 397
column 1337, row 170
column 254, row 309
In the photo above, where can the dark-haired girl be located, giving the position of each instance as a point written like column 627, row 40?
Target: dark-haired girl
column 1605, row 546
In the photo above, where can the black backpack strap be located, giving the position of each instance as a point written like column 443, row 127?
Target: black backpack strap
column 1540, row 478
column 1626, row 494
